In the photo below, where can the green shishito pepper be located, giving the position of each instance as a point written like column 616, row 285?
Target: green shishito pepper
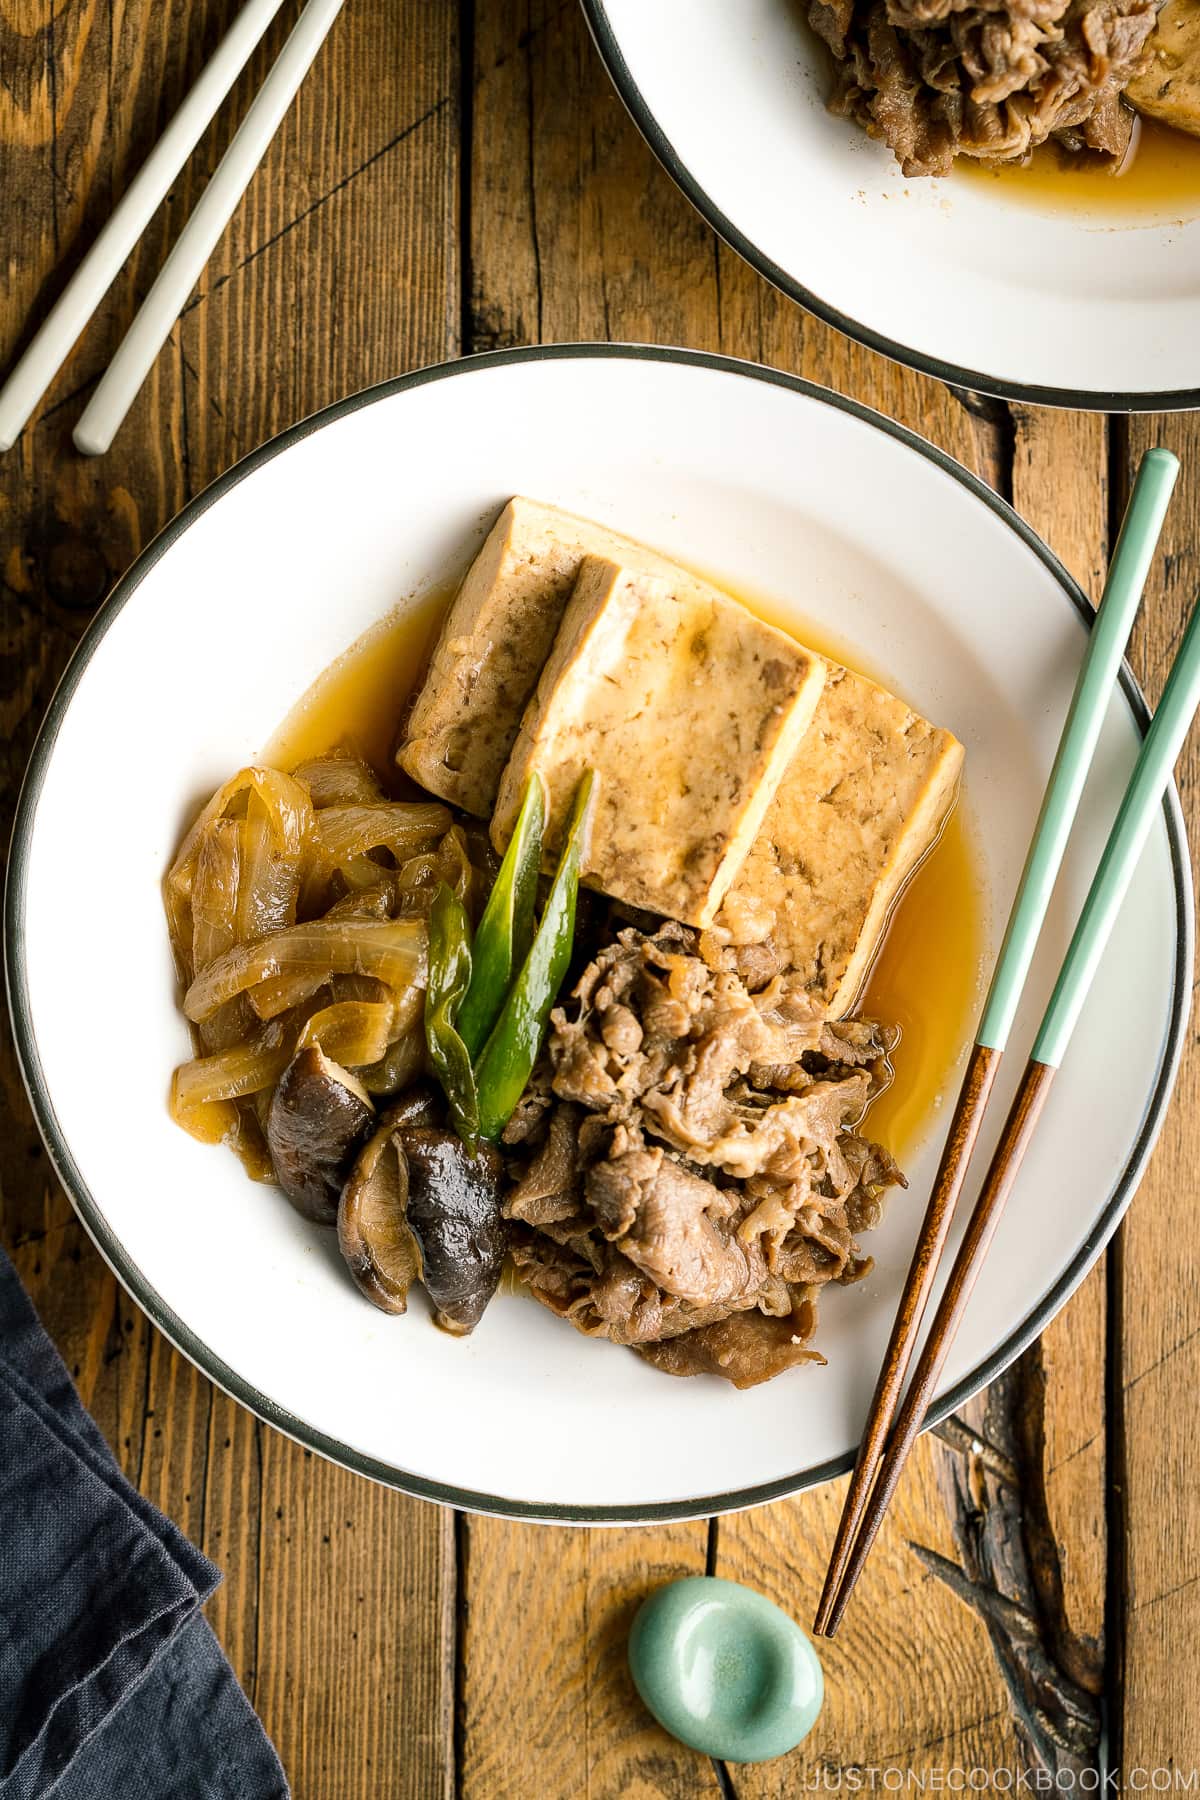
column 448, row 980
column 505, row 931
column 515, row 1044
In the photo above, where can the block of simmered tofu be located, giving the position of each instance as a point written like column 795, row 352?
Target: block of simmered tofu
column 688, row 708
column 495, row 641
column 1168, row 87
column 862, row 801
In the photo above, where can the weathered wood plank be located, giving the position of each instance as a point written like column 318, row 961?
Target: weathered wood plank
column 1159, row 1265
column 355, row 1630
column 339, row 268
column 909, row 1679
column 1060, row 485
column 546, row 1691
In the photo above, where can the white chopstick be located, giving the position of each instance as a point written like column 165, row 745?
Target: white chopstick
column 118, row 388
column 96, row 273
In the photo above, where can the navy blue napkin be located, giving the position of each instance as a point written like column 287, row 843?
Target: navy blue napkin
column 112, row 1685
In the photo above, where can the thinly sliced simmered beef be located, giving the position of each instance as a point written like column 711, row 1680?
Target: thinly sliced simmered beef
column 605, row 1295
column 548, row 1191
column 673, row 1226
column 936, row 79
column 691, row 1156
column 746, row 1348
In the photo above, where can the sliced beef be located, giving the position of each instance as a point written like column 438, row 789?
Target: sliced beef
column 746, row 1348
column 603, row 1294
column 548, row 1190
column 673, row 1226
column 689, row 1157
column 936, row 79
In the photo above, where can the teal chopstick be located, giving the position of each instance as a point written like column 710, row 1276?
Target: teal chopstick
column 895, row 1417
column 1139, row 809
column 1122, row 593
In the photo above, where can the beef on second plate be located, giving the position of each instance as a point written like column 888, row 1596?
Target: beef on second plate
column 935, row 79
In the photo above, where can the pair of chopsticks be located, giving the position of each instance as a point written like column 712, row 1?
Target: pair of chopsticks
column 892, row 1423
column 151, row 327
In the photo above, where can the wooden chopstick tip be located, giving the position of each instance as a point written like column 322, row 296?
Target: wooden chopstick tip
column 969, row 1110
column 913, row 1416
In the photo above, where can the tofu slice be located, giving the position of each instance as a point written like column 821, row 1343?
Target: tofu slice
column 861, row 803
column 495, row 642
column 1169, row 86
column 688, row 708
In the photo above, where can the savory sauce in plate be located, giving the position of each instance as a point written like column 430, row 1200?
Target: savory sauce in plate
column 360, row 698
column 1159, row 180
column 927, row 976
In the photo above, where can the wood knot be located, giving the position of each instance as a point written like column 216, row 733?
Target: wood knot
column 77, row 575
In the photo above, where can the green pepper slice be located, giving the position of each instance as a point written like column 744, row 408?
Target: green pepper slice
column 517, row 1037
column 448, row 979
column 506, row 929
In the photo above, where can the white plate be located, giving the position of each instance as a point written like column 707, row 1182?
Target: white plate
column 1066, row 307
column 228, row 617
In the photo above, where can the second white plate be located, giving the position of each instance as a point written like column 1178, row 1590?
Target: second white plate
column 1063, row 306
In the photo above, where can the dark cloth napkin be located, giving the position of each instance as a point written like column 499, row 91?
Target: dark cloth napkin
column 112, row 1685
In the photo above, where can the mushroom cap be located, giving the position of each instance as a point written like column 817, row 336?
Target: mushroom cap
column 319, row 1115
column 454, row 1212
column 374, row 1235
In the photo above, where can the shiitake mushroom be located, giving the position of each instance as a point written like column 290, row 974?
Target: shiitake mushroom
column 454, row 1212
column 319, row 1115
column 418, row 1206
column 374, row 1235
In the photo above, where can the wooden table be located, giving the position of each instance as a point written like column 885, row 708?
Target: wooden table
column 455, row 178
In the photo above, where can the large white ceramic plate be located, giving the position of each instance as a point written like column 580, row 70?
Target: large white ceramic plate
column 233, row 611
column 1065, row 306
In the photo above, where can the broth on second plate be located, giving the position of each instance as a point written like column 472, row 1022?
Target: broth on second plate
column 1159, row 179
column 926, row 977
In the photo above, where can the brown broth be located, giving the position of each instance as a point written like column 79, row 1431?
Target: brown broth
column 358, row 701
column 1159, row 179
column 927, row 975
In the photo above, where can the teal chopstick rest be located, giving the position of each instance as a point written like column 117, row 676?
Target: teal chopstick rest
column 724, row 1670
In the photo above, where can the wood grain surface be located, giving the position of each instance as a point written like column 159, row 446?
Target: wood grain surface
column 454, row 178
column 338, row 1602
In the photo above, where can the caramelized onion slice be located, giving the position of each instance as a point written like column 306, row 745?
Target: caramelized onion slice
column 215, row 891
column 349, row 832
column 290, row 820
column 418, row 878
column 288, row 806
column 270, row 998
column 403, row 1062
column 232, row 1074
column 353, row 1032
column 339, row 779
column 393, row 950
column 201, row 1090
column 270, row 878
